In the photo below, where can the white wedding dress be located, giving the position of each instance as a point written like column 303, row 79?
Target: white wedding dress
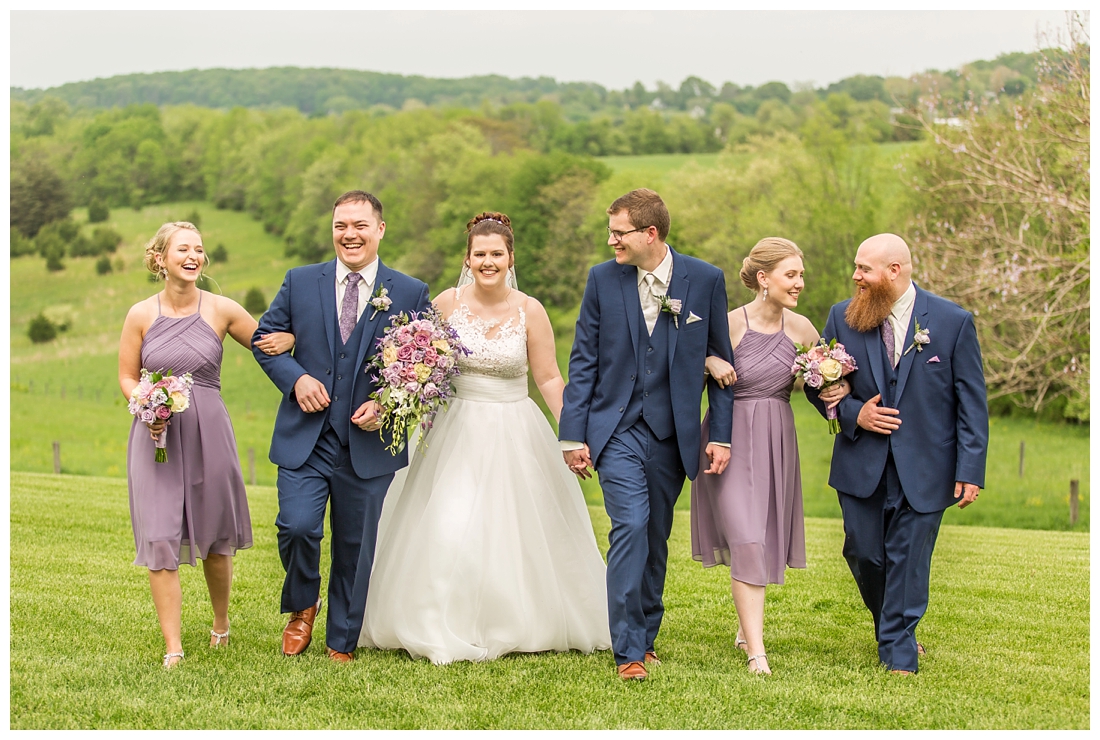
column 485, row 546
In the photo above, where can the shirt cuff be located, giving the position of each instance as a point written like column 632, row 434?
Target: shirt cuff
column 720, row 444
column 568, row 445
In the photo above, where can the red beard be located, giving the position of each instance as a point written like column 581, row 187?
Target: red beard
column 869, row 308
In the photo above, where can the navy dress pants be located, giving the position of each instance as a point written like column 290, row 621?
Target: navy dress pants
column 355, row 505
column 888, row 547
column 641, row 477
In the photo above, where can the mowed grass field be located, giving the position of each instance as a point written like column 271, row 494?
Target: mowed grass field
column 78, row 372
column 1007, row 634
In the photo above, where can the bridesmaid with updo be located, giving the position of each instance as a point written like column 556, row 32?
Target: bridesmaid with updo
column 750, row 516
column 192, row 507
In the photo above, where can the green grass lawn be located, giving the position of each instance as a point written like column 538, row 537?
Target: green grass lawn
column 79, row 370
column 1007, row 634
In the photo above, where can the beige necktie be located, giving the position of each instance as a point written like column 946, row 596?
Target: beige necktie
column 651, row 308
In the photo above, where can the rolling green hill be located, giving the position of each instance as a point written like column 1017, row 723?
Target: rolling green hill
column 78, row 372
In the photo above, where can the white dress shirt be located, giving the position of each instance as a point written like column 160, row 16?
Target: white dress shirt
column 367, row 276
column 651, row 307
column 899, row 318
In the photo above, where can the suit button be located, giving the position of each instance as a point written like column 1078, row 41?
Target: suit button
column 647, row 394
column 621, row 409
column 632, row 377
column 649, row 350
column 335, row 398
column 328, row 371
column 339, row 377
column 648, row 372
column 893, row 382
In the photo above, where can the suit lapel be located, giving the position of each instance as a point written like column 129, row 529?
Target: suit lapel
column 678, row 287
column 629, row 282
column 875, row 357
column 920, row 314
column 327, row 285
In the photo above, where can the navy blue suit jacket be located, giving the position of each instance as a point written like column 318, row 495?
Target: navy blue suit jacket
column 305, row 306
column 940, row 395
column 604, row 359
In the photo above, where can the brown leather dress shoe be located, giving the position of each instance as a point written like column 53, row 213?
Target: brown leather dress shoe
column 299, row 631
column 336, row 657
column 651, row 658
column 633, row 671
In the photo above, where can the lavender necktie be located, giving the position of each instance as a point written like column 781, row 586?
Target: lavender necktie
column 349, row 309
column 888, row 339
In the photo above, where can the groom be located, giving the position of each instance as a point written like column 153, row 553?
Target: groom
column 914, row 433
column 326, row 440
column 647, row 322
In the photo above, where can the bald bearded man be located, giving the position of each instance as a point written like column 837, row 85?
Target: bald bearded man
column 914, row 432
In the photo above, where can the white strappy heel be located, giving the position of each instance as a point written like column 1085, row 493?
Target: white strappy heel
column 219, row 639
column 756, row 658
column 168, row 664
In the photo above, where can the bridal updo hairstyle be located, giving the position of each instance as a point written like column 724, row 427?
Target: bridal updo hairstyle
column 159, row 245
column 489, row 222
column 768, row 252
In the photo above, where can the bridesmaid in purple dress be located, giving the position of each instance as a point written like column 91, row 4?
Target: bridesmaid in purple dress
column 193, row 506
column 750, row 516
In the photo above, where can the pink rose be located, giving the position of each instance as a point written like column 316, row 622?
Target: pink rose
column 430, row 356
column 406, row 352
column 147, row 416
column 163, row 412
column 412, row 386
column 422, row 338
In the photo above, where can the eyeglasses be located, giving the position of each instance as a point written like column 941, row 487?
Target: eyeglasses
column 618, row 235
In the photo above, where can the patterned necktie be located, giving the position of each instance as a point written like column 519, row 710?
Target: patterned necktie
column 887, row 330
column 349, row 309
column 651, row 308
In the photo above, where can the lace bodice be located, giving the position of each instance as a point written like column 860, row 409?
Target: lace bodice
column 504, row 355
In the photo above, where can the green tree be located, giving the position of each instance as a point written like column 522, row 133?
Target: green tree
column 41, row 329
column 97, row 211
column 38, row 195
column 103, row 265
column 219, row 254
column 254, row 301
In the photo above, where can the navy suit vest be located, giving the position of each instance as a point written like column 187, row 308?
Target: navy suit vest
column 651, row 398
column 339, row 411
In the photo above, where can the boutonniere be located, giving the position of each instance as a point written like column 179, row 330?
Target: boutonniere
column 671, row 306
column 381, row 301
column 920, row 338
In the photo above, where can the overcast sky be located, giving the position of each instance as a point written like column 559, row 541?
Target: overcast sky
column 613, row 48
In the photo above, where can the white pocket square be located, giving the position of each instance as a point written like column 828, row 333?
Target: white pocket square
column 692, row 318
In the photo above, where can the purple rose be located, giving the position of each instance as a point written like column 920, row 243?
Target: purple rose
column 422, row 338
column 405, row 352
column 431, row 391
column 163, row 412
column 814, row 380
column 147, row 416
column 412, row 386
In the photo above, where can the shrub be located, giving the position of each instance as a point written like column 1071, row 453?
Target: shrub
column 103, row 265
column 41, row 329
column 195, row 218
column 20, row 245
column 254, row 301
column 105, row 239
column 97, row 211
column 219, row 253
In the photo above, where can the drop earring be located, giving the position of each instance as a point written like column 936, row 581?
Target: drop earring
column 765, row 293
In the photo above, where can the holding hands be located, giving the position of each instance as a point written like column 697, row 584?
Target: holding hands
column 579, row 461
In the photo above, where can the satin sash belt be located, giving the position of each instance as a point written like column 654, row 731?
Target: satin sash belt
column 489, row 389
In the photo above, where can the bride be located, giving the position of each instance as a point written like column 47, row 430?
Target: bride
column 485, row 546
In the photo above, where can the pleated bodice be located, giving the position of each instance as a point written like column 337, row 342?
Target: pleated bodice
column 763, row 363
column 184, row 345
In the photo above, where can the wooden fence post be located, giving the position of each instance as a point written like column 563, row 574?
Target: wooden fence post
column 1021, row 458
column 252, row 466
column 57, row 458
column 1073, row 493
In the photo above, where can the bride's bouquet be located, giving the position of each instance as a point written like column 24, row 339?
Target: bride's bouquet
column 415, row 368
column 157, row 396
column 821, row 366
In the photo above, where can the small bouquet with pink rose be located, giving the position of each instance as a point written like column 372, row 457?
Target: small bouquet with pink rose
column 415, row 367
column 158, row 396
column 822, row 365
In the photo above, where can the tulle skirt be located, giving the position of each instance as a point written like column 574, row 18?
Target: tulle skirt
column 485, row 546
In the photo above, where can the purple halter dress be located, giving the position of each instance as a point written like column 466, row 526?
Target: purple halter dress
column 195, row 503
column 750, row 517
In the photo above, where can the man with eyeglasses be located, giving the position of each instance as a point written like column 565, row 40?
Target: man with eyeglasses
column 648, row 320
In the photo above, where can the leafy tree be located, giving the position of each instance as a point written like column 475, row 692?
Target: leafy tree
column 254, row 301
column 103, row 265
column 219, row 254
column 1002, row 227
column 20, row 245
column 97, row 211
column 38, row 195
column 41, row 329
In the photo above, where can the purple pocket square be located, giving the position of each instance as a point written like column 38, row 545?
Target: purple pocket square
column 935, row 358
